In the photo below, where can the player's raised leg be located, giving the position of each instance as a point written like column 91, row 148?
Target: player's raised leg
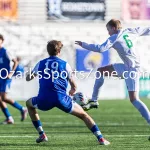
column 9, row 118
column 80, row 113
column 36, row 121
column 101, row 73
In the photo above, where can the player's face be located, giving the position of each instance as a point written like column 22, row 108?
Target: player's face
column 111, row 30
column 1, row 42
column 134, row 8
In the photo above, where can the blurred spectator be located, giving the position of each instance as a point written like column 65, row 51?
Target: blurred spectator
column 134, row 9
column 54, row 10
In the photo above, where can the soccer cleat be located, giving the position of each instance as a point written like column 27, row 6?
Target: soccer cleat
column 24, row 113
column 90, row 105
column 8, row 121
column 103, row 141
column 42, row 138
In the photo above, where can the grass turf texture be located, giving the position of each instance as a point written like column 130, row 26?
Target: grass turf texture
column 118, row 120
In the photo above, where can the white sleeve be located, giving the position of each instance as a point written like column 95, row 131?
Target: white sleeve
column 69, row 70
column 9, row 55
column 36, row 68
column 100, row 48
column 141, row 31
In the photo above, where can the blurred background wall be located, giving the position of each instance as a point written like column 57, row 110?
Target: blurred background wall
column 28, row 25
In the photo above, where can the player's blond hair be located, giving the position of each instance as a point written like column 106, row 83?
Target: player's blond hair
column 54, row 47
column 114, row 23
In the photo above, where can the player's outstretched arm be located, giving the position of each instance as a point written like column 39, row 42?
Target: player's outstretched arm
column 91, row 47
column 144, row 31
column 15, row 64
column 141, row 31
column 97, row 47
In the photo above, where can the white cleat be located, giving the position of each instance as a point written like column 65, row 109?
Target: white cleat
column 24, row 114
column 42, row 138
column 103, row 141
column 8, row 121
column 90, row 105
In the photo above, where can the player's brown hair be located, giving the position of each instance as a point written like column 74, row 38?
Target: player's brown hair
column 54, row 47
column 114, row 23
column 1, row 37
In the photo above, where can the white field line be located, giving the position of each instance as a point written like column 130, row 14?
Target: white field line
column 80, row 123
column 33, row 136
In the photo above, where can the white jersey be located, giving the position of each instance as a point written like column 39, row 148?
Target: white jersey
column 123, row 43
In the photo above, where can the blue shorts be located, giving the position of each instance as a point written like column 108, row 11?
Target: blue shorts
column 59, row 100
column 5, row 85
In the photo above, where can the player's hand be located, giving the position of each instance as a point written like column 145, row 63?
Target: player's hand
column 78, row 43
column 71, row 92
column 9, row 75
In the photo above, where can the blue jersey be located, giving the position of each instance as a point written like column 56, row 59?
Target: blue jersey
column 4, row 63
column 53, row 75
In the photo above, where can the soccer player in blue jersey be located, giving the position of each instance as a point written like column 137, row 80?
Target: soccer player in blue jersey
column 54, row 74
column 5, row 81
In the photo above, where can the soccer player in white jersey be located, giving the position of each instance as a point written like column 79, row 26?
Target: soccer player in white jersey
column 122, row 40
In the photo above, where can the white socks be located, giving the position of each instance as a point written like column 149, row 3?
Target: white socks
column 98, row 83
column 142, row 108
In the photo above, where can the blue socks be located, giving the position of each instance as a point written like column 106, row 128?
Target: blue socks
column 142, row 108
column 96, row 132
column 98, row 83
column 37, row 124
column 6, row 112
column 18, row 106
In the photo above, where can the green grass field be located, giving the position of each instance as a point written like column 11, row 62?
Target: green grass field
column 119, row 122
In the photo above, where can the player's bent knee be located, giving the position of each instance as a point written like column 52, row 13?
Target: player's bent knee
column 133, row 95
column 3, row 100
column 29, row 103
column 100, row 70
column 103, row 71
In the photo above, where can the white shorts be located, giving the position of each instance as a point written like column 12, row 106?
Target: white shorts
column 131, row 76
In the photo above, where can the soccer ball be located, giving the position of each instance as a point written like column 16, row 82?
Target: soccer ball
column 80, row 98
